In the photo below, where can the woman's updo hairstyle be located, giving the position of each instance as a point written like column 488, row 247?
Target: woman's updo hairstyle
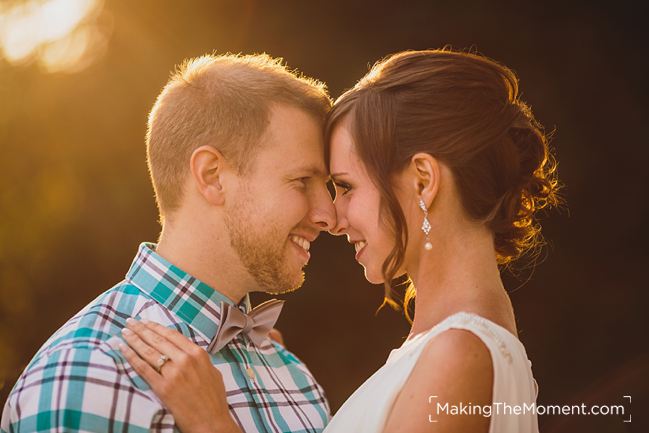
column 463, row 109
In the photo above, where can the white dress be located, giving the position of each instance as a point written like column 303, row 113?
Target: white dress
column 366, row 411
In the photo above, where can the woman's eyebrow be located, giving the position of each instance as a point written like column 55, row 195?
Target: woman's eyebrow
column 335, row 175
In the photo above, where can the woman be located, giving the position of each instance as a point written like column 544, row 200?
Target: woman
column 439, row 171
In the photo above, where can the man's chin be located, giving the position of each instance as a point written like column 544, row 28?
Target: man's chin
column 287, row 287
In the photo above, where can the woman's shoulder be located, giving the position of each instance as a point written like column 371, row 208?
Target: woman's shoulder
column 454, row 367
column 499, row 337
column 471, row 347
column 458, row 355
column 466, row 347
column 464, row 358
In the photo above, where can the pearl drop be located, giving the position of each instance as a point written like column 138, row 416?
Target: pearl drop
column 428, row 246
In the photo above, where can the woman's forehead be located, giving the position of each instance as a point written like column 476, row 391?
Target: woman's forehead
column 342, row 146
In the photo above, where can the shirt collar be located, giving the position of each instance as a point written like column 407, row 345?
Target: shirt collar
column 190, row 299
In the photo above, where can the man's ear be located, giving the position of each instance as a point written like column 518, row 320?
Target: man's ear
column 426, row 176
column 207, row 166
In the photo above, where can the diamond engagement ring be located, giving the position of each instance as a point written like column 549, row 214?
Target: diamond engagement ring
column 161, row 361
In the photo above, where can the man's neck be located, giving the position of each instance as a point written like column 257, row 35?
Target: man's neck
column 205, row 259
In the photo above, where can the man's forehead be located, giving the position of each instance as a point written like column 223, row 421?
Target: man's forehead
column 296, row 150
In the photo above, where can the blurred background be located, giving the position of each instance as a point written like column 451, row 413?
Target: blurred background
column 77, row 78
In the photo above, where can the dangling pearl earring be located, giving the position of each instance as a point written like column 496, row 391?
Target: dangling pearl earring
column 425, row 227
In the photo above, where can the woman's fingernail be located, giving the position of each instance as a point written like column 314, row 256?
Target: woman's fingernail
column 127, row 331
column 121, row 346
column 130, row 321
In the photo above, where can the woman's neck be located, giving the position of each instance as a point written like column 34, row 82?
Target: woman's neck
column 460, row 273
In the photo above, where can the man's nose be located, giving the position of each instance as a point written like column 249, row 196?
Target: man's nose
column 341, row 222
column 323, row 213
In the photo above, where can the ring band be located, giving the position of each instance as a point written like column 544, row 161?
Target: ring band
column 161, row 362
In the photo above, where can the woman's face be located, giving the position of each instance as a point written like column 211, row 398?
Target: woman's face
column 357, row 206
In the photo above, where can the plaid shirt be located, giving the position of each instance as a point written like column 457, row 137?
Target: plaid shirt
column 79, row 381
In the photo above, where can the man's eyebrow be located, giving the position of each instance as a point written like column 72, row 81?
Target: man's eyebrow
column 335, row 175
column 311, row 171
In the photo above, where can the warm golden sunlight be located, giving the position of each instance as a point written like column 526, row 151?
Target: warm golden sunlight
column 61, row 35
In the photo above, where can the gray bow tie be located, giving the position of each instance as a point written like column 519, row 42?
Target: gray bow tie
column 255, row 324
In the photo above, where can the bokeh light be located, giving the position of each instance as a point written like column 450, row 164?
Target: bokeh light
column 61, row 35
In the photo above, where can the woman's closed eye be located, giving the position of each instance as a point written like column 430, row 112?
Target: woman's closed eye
column 344, row 186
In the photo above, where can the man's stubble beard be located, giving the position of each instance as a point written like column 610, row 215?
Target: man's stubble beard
column 261, row 248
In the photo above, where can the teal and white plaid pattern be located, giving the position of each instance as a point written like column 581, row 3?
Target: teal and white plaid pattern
column 78, row 380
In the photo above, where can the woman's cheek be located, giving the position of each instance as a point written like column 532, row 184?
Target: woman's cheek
column 359, row 215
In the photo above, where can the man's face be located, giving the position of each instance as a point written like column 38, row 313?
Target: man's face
column 283, row 204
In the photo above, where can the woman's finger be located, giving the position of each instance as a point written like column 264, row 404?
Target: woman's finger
column 178, row 339
column 143, row 350
column 274, row 334
column 141, row 367
column 154, row 340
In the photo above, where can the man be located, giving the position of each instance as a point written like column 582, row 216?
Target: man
column 235, row 153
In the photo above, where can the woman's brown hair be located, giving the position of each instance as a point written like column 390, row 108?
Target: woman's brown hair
column 463, row 109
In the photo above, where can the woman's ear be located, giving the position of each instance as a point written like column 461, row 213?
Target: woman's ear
column 207, row 166
column 426, row 171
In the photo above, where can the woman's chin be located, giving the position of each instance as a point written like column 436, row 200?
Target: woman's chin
column 373, row 277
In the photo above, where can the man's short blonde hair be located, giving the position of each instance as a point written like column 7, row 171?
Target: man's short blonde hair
column 223, row 101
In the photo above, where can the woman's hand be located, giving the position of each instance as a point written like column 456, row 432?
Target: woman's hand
column 181, row 375
column 274, row 334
